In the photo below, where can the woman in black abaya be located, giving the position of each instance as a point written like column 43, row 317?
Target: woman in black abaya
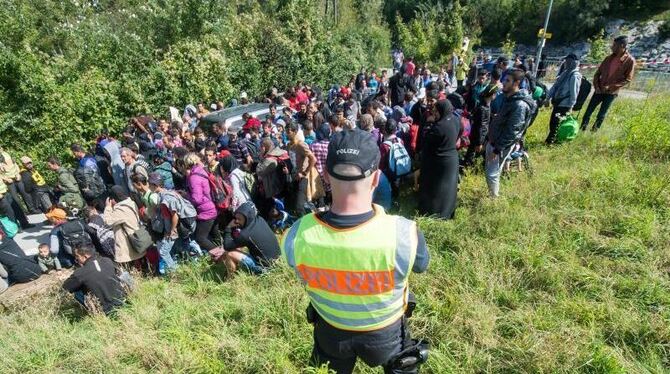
column 438, row 180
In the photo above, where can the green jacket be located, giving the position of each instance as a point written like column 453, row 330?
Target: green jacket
column 68, row 186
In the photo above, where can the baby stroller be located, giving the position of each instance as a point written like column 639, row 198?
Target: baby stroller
column 517, row 161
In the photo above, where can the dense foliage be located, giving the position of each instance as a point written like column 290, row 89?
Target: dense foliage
column 69, row 68
column 491, row 22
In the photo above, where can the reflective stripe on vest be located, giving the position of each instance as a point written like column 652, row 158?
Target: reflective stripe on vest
column 361, row 286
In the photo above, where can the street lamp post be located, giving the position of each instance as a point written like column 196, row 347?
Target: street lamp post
column 540, row 43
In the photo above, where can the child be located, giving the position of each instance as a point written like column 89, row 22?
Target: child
column 280, row 220
column 47, row 260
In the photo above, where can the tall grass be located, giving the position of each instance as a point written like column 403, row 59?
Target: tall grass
column 567, row 272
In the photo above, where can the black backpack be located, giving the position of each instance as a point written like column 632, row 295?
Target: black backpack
column 73, row 232
column 584, row 91
column 90, row 182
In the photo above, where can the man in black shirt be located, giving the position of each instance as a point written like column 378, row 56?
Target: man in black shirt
column 97, row 277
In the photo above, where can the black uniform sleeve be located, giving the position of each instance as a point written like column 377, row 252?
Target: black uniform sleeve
column 422, row 256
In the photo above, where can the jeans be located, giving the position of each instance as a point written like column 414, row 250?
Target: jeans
column 554, row 122
column 493, row 166
column 341, row 348
column 605, row 101
column 165, row 251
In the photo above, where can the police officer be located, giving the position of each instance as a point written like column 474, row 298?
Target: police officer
column 354, row 262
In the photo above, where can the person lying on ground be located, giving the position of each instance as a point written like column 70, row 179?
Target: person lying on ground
column 96, row 277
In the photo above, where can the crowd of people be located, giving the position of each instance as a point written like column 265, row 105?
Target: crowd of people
column 178, row 188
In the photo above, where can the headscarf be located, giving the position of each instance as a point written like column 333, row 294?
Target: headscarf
column 444, row 108
column 228, row 164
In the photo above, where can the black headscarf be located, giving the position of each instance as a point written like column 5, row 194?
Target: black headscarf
column 444, row 109
column 228, row 164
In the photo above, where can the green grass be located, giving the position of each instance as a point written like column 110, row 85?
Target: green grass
column 567, row 272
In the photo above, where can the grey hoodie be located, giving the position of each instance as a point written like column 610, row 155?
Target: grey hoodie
column 564, row 92
column 514, row 116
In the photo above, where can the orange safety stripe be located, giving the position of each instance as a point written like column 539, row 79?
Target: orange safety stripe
column 344, row 282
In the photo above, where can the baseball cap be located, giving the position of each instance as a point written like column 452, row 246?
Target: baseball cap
column 26, row 160
column 352, row 147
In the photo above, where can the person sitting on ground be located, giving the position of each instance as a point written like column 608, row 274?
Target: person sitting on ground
column 35, row 185
column 67, row 185
column 3, row 279
column 97, row 277
column 249, row 230
column 46, row 259
column 67, row 233
column 20, row 267
column 11, row 176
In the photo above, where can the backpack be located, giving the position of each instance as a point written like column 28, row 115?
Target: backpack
column 221, row 191
column 463, row 140
column 90, row 182
column 73, row 232
column 584, row 91
column 166, row 174
column 9, row 227
column 399, row 161
column 567, row 129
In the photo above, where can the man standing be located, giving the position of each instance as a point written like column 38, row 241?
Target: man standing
column 613, row 73
column 354, row 262
column 507, row 127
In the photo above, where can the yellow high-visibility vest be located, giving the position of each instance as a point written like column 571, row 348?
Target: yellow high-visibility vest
column 356, row 278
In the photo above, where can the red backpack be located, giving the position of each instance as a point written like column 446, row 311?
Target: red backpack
column 221, row 191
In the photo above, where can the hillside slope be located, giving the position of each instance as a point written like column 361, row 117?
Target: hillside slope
column 568, row 272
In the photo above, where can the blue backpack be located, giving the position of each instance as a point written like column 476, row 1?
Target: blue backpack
column 399, row 161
